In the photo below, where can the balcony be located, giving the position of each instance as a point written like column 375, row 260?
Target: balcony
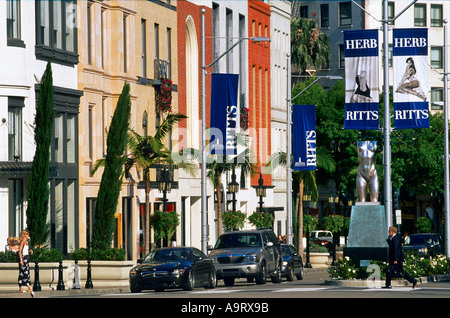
column 162, row 69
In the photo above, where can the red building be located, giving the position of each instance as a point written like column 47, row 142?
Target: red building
column 259, row 85
column 189, row 16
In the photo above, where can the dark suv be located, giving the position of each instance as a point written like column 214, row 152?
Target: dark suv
column 255, row 255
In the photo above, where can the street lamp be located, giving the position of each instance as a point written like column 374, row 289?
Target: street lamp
column 164, row 178
column 307, row 198
column 261, row 191
column 233, row 187
column 289, row 141
column 204, row 204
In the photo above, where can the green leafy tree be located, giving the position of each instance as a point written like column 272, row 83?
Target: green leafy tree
column 111, row 182
column 147, row 151
column 38, row 190
column 309, row 46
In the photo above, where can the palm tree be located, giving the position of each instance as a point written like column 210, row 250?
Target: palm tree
column 304, row 178
column 309, row 46
column 220, row 164
column 148, row 151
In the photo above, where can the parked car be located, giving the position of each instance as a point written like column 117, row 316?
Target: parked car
column 426, row 244
column 292, row 263
column 254, row 255
column 175, row 267
column 324, row 238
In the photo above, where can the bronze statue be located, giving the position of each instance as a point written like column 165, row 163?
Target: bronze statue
column 367, row 173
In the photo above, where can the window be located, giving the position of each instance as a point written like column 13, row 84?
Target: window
column 13, row 23
column 169, row 52
column 304, row 12
column 436, row 57
column 15, row 105
column 341, row 56
column 420, row 15
column 345, row 14
column 125, row 38
column 144, row 47
column 436, row 15
column 324, row 16
column 437, row 98
column 89, row 31
column 56, row 30
column 229, row 40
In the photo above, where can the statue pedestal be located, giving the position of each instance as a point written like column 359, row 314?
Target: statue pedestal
column 367, row 233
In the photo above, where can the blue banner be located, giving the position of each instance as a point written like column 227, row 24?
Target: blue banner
column 304, row 137
column 361, row 79
column 224, row 114
column 410, row 70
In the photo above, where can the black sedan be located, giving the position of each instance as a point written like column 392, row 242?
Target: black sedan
column 292, row 263
column 174, row 267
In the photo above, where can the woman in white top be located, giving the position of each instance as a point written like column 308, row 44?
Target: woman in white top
column 24, row 267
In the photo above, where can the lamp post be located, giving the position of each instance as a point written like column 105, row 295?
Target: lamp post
column 164, row 178
column 289, row 140
column 204, row 204
column 333, row 199
column 233, row 187
column 307, row 198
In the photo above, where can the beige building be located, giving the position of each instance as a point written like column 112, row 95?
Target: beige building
column 118, row 42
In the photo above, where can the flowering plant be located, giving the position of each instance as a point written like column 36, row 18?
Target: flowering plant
column 233, row 220
column 310, row 223
column 164, row 223
column 334, row 223
column 164, row 98
column 261, row 219
column 244, row 117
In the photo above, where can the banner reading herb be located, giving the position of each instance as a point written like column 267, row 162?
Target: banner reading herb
column 410, row 61
column 361, row 79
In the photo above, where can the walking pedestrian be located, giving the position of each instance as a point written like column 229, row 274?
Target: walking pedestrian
column 395, row 267
column 24, row 266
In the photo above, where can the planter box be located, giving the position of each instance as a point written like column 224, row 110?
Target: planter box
column 103, row 274
column 319, row 260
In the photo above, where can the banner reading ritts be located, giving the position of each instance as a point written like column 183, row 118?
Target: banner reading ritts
column 410, row 78
column 361, row 79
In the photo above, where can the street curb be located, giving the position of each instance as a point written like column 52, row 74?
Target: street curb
column 394, row 282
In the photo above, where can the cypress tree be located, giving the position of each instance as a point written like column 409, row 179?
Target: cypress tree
column 111, row 182
column 38, row 190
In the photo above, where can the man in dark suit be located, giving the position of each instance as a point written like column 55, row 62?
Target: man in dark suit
column 395, row 267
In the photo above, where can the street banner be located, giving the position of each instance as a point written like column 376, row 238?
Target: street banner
column 410, row 78
column 224, row 113
column 361, row 79
column 304, row 137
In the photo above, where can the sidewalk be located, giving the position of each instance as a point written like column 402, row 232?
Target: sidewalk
column 68, row 292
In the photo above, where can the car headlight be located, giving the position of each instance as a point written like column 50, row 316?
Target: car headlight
column 285, row 263
column 251, row 258
column 133, row 273
column 178, row 272
column 423, row 250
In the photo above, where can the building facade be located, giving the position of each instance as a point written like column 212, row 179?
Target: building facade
column 105, row 45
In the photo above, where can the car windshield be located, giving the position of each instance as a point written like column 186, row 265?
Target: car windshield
column 239, row 240
column 169, row 254
column 286, row 250
column 422, row 239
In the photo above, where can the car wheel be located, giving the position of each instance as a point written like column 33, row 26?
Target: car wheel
column 135, row 289
column 262, row 275
column 212, row 279
column 301, row 273
column 228, row 281
column 290, row 274
column 277, row 278
column 190, row 282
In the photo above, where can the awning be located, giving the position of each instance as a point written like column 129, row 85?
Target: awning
column 15, row 169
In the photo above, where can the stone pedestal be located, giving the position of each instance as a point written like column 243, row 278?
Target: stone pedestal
column 367, row 233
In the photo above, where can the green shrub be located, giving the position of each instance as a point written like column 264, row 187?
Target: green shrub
column 46, row 255
column 110, row 254
column 8, row 257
